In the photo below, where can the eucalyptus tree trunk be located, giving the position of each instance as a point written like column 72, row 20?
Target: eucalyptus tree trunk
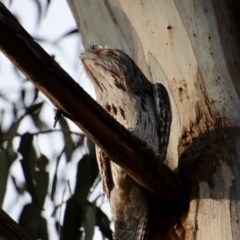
column 192, row 47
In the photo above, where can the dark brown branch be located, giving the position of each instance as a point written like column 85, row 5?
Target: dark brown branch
column 9, row 229
column 77, row 105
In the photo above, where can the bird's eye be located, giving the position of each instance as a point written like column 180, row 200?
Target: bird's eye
column 92, row 47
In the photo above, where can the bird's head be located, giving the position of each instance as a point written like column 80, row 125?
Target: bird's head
column 107, row 64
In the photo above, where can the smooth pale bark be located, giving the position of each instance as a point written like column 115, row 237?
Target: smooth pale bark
column 192, row 47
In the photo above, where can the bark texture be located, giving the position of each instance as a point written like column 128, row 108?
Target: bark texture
column 192, row 47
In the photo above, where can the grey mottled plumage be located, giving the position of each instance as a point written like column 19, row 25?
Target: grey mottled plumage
column 144, row 109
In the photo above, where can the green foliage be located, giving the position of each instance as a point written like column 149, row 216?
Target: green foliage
column 32, row 221
column 80, row 216
column 5, row 163
column 73, row 219
column 69, row 144
column 22, row 138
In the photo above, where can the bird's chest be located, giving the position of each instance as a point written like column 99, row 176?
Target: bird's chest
column 136, row 113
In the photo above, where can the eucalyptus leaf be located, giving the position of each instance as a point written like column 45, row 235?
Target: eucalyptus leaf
column 73, row 219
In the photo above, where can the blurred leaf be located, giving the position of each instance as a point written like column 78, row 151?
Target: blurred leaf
column 34, row 112
column 69, row 33
column 42, row 180
column 33, row 108
column 28, row 164
column 103, row 223
column 10, row 2
column 36, row 91
column 27, row 151
column 89, row 222
column 20, row 189
column 93, row 161
column 39, row 10
column 14, row 109
column 73, row 31
column 67, row 138
column 83, row 181
column 47, row 7
column 69, row 147
column 48, row 3
column 72, row 222
column 11, row 156
column 26, row 95
column 54, row 184
column 29, row 181
column 86, row 174
column 2, row 112
column 32, row 221
column 23, row 94
column 41, row 39
column 7, row 157
column 12, row 132
column 4, row 170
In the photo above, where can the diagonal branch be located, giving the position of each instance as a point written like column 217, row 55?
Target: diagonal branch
column 77, row 105
column 9, row 229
